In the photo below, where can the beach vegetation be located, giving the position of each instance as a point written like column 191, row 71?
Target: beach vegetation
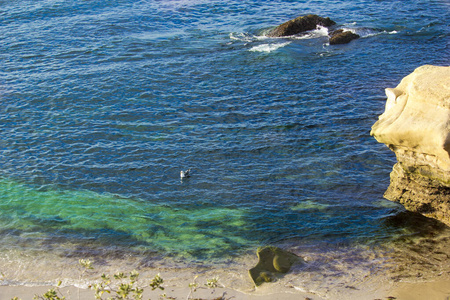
column 212, row 283
column 124, row 286
column 157, row 282
column 51, row 294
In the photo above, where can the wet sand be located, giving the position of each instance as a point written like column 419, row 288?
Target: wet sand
column 408, row 269
column 435, row 290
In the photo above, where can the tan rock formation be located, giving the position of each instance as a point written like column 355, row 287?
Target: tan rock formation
column 416, row 126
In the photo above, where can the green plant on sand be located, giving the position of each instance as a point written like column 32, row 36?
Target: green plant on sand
column 123, row 286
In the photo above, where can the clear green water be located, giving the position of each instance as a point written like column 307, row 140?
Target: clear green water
column 36, row 213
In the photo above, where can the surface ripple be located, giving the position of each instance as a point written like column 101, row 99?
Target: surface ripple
column 102, row 105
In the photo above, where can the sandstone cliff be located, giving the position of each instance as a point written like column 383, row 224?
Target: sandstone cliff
column 416, row 126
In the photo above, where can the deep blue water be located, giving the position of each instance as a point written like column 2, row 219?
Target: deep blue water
column 102, row 103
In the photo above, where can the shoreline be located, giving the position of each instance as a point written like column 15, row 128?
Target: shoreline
column 415, row 268
column 339, row 275
column 438, row 289
column 177, row 286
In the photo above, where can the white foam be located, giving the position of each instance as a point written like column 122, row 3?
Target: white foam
column 244, row 37
column 379, row 33
column 368, row 32
column 268, row 47
column 353, row 30
column 312, row 34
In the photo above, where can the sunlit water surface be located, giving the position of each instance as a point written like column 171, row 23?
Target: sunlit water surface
column 103, row 103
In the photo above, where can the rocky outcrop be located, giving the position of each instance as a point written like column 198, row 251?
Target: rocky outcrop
column 300, row 24
column 310, row 22
column 273, row 263
column 342, row 36
column 416, row 126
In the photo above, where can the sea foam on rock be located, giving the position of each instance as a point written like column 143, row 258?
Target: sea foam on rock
column 416, row 126
column 299, row 25
column 342, row 36
column 311, row 22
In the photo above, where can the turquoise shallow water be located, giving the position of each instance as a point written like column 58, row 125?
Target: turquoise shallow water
column 103, row 103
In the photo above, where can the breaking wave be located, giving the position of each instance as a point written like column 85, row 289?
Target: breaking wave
column 263, row 43
column 312, row 34
column 271, row 44
column 365, row 32
column 268, row 47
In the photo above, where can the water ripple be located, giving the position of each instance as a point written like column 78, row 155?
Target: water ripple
column 104, row 103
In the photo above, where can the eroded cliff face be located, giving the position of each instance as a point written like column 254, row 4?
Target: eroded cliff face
column 416, row 126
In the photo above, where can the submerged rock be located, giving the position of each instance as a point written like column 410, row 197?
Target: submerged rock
column 300, row 24
column 342, row 36
column 273, row 262
column 416, row 126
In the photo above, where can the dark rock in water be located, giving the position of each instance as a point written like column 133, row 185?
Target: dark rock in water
column 273, row 262
column 300, row 24
column 342, row 36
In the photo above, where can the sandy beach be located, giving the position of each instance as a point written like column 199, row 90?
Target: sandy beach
column 438, row 289
column 339, row 274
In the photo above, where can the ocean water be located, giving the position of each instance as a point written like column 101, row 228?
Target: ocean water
column 102, row 103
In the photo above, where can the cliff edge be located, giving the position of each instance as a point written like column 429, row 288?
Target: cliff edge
column 416, row 126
